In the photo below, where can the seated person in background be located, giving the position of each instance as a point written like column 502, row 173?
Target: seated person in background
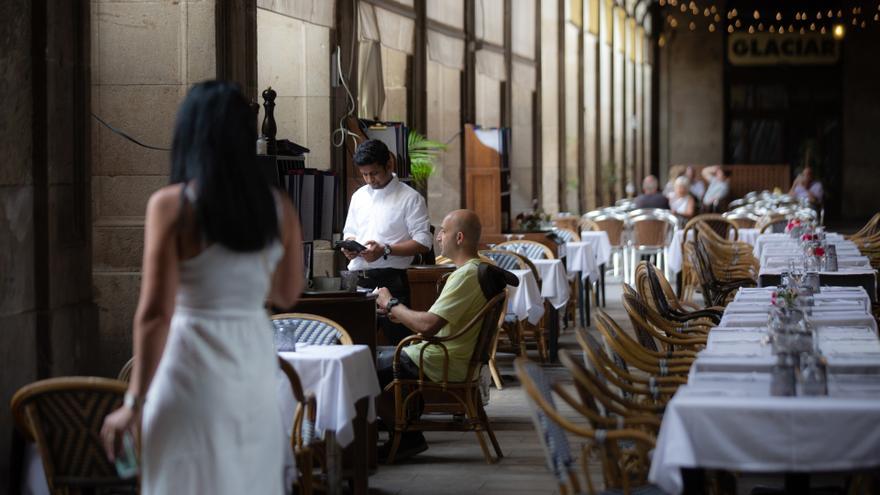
column 461, row 299
column 806, row 187
column 681, row 202
column 697, row 187
column 651, row 197
column 719, row 188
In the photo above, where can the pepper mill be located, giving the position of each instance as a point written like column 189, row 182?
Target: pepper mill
column 269, row 128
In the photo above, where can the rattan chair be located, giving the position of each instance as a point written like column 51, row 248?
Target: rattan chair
column 772, row 222
column 599, row 398
column 517, row 331
column 530, row 249
column 870, row 229
column 64, row 417
column 651, row 391
column 305, row 328
column 651, row 328
column 742, row 219
column 658, row 294
column 302, row 435
column 125, row 373
column 465, row 395
column 717, row 289
column 720, row 225
column 624, row 453
column 638, row 356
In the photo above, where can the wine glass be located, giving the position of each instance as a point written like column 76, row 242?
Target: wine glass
column 508, row 237
column 520, row 237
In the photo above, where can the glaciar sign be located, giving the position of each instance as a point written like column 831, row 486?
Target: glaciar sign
column 779, row 49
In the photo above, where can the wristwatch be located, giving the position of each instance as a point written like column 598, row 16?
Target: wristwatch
column 391, row 303
column 387, row 251
column 132, row 401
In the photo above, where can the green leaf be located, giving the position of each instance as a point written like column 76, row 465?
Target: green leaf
column 422, row 157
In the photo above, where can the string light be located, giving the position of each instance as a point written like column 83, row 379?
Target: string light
column 778, row 16
column 839, row 31
column 822, row 30
column 839, row 14
column 760, row 26
column 803, row 30
column 862, row 24
column 830, row 13
column 733, row 12
column 818, row 16
column 756, row 15
column 684, row 8
column 706, row 13
column 738, row 24
column 877, row 17
column 790, row 28
column 717, row 18
column 711, row 28
column 692, row 26
column 751, row 29
column 772, row 29
column 662, row 3
column 797, row 16
column 713, row 9
column 812, row 26
column 729, row 29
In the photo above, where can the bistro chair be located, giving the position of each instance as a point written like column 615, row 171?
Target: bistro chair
column 567, row 235
column 870, row 229
column 720, row 225
column 637, row 356
column 614, row 224
column 517, row 331
column 125, row 373
column 601, row 404
column 64, row 417
column 651, row 231
column 623, row 452
column 717, row 289
column 772, row 222
column 651, row 328
column 464, row 396
column 610, row 369
column 657, row 292
column 530, row 249
column 742, row 218
column 302, row 435
column 304, row 328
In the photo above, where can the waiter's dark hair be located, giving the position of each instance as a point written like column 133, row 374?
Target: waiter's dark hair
column 371, row 151
column 214, row 150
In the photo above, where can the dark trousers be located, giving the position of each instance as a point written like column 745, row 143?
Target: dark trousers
column 397, row 283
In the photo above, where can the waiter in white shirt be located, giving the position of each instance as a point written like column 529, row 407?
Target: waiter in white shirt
column 391, row 220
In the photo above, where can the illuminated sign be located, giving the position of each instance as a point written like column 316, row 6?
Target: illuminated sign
column 778, row 49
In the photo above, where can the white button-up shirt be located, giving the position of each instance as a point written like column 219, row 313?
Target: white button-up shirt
column 395, row 213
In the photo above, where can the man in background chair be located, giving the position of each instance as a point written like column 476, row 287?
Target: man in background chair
column 459, row 301
column 391, row 220
column 651, row 197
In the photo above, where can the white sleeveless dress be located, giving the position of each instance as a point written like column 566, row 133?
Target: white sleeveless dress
column 211, row 422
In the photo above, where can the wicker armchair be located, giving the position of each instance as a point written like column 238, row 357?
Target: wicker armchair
column 717, row 290
column 624, row 453
column 464, row 395
column 657, row 293
column 517, row 331
column 530, row 249
column 302, row 435
column 650, row 328
column 772, row 222
column 125, row 373
column 650, row 391
column 64, row 417
column 304, row 328
column 638, row 356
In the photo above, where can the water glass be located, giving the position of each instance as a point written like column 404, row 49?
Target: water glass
column 782, row 378
column 812, row 376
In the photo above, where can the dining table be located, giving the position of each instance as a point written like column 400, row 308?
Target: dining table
column 344, row 382
column 726, row 417
column 602, row 251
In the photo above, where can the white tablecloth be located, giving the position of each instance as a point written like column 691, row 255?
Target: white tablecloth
column 765, row 240
column 601, row 245
column 554, row 282
column 580, row 258
column 338, row 376
column 525, row 301
column 725, row 417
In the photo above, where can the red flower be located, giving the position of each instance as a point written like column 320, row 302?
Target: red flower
column 807, row 237
column 819, row 251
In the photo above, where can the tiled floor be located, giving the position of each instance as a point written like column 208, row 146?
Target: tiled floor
column 454, row 462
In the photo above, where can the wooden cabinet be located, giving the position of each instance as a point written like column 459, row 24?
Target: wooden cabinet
column 487, row 176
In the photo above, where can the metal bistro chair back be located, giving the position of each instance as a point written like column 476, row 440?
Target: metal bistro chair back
column 613, row 223
column 64, row 417
column 651, row 230
column 772, row 222
column 304, row 328
column 530, row 249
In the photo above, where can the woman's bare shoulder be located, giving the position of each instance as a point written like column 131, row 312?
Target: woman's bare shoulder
column 165, row 202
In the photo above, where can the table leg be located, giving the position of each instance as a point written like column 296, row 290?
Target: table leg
column 587, row 288
column 796, row 483
column 602, row 281
column 334, row 464
column 580, row 289
column 553, row 315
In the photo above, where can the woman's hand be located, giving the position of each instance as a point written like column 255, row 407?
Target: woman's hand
column 115, row 424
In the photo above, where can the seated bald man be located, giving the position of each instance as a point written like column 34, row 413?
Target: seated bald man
column 460, row 300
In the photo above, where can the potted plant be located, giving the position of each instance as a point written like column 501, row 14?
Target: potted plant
column 422, row 160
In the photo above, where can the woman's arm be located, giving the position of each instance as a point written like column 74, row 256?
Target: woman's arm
column 288, row 280
column 689, row 208
column 155, row 308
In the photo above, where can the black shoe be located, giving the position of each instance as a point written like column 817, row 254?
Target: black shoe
column 411, row 443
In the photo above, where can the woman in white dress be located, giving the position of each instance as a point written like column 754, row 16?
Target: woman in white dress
column 218, row 241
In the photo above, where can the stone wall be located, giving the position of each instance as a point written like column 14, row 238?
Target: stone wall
column 861, row 123
column 145, row 56
column 691, row 99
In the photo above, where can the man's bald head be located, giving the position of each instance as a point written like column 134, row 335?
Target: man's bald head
column 468, row 223
column 459, row 233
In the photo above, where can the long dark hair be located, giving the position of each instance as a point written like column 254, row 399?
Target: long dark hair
column 215, row 146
